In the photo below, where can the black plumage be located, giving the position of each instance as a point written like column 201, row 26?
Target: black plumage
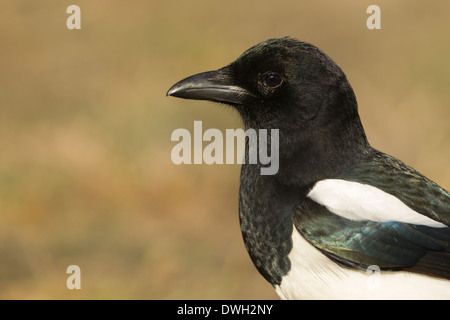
column 293, row 86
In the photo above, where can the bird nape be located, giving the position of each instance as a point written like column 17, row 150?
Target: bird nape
column 340, row 219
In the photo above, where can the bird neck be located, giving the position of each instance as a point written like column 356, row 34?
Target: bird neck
column 318, row 136
column 310, row 150
column 266, row 210
column 322, row 154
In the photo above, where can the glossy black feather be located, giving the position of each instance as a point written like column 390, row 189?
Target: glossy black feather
column 389, row 245
column 321, row 137
column 400, row 180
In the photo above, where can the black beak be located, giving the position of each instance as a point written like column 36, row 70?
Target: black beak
column 212, row 85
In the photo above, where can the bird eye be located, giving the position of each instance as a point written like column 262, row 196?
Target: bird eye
column 272, row 80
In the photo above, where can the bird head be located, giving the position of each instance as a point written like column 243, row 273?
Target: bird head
column 275, row 83
column 290, row 85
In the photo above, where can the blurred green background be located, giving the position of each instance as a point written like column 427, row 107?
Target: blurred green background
column 86, row 176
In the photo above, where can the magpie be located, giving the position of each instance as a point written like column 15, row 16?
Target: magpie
column 340, row 219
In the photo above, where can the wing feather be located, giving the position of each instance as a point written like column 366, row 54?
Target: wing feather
column 400, row 180
column 390, row 245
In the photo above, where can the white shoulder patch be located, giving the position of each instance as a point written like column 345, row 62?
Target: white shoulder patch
column 357, row 201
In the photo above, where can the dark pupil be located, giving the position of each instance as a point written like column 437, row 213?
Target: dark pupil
column 273, row 80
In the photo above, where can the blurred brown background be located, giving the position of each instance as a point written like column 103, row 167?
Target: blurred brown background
column 85, row 171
